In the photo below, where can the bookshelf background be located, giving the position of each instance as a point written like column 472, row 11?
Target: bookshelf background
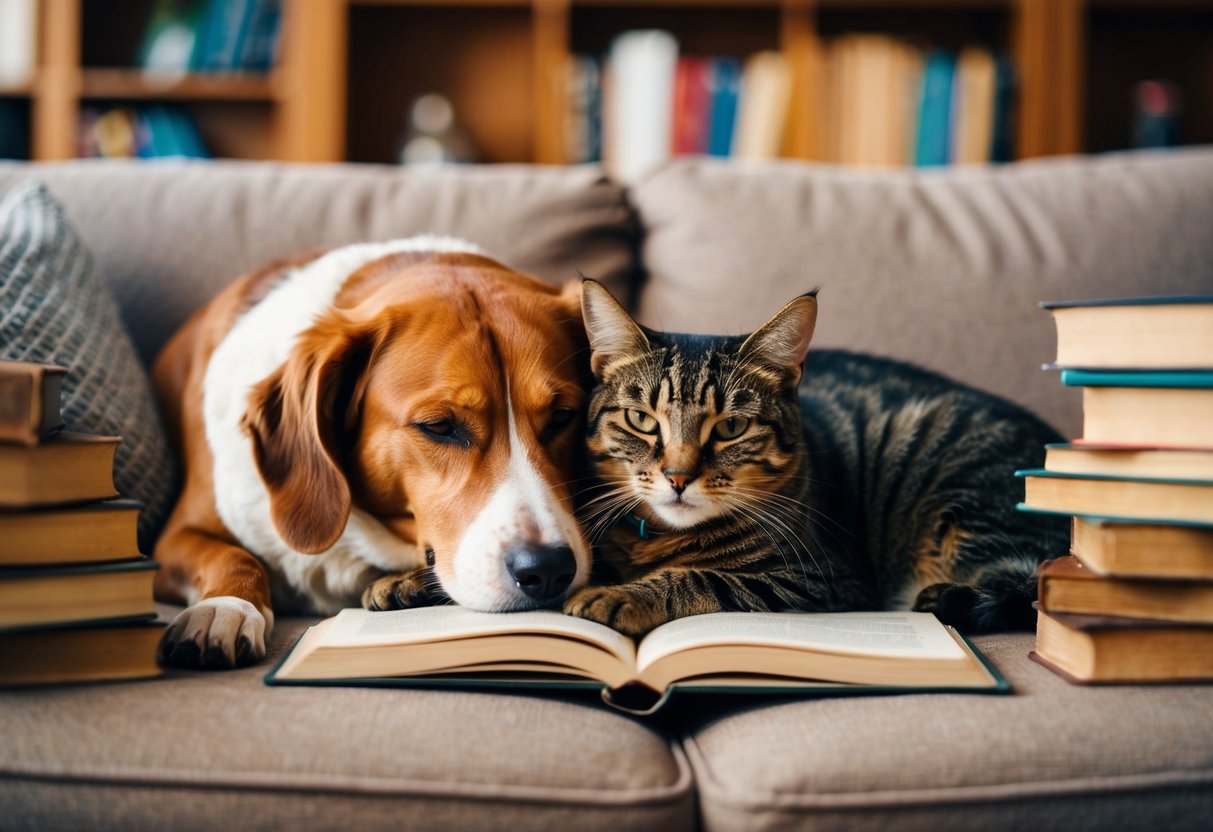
column 349, row 68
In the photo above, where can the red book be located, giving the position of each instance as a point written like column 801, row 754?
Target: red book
column 692, row 106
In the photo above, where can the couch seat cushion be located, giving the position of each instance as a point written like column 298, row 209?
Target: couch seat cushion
column 168, row 235
column 1051, row 756
column 210, row 750
column 942, row 267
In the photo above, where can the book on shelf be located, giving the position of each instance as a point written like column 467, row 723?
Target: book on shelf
column 1130, row 461
column 1067, row 586
column 762, row 111
column 29, row 401
column 68, row 467
column 933, row 136
column 725, row 90
column 118, row 650
column 1157, row 408
column 18, row 41
column 1144, row 550
column 637, row 105
column 1087, row 649
column 583, row 132
column 743, row 653
column 64, row 595
column 184, row 36
column 1139, row 498
column 692, row 106
column 80, row 533
column 172, row 41
column 146, row 133
column 973, row 100
column 1153, row 333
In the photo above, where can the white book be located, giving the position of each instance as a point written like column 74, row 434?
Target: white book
column 18, row 41
column 638, row 111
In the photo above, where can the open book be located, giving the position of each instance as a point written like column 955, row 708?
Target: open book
column 718, row 653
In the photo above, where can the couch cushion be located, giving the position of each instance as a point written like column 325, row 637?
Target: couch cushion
column 1052, row 756
column 54, row 310
column 219, row 750
column 942, row 267
column 167, row 235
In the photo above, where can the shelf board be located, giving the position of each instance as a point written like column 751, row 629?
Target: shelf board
column 134, row 84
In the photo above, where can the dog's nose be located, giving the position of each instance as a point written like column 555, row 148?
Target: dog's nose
column 541, row 572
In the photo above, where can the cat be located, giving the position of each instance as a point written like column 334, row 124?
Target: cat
column 726, row 484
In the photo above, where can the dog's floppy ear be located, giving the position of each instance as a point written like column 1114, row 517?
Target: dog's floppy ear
column 296, row 418
column 612, row 332
column 783, row 342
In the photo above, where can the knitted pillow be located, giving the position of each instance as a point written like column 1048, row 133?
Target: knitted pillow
column 53, row 310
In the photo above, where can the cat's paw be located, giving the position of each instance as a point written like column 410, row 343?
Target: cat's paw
column 402, row 591
column 617, row 608
column 952, row 604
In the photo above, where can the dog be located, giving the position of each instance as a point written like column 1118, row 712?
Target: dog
column 396, row 423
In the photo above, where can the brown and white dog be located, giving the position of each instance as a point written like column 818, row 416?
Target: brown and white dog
column 345, row 418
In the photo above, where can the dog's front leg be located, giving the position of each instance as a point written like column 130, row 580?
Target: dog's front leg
column 418, row 588
column 230, row 618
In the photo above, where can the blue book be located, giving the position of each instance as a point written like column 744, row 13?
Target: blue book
column 226, row 27
column 726, row 77
column 1198, row 379
column 935, row 110
column 260, row 43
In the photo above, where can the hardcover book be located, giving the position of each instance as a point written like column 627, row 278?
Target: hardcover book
column 117, row 650
column 69, row 467
column 29, row 401
column 1067, row 586
column 1153, row 416
column 751, row 653
column 1143, row 550
column 1156, row 333
column 1129, row 461
column 45, row 597
column 1143, row 499
column 1102, row 649
column 70, row 534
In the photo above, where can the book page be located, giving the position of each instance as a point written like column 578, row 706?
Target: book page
column 358, row 627
column 917, row 635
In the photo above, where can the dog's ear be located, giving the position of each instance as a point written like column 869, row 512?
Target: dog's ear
column 612, row 332
column 782, row 343
column 297, row 418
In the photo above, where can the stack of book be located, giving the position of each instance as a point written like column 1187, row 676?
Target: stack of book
column 75, row 594
column 1134, row 600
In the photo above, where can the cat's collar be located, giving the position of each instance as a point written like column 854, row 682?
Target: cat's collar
column 643, row 526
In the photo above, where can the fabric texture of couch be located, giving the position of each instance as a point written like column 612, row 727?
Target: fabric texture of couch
column 945, row 268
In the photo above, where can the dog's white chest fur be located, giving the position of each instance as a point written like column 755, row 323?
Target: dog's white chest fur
column 256, row 346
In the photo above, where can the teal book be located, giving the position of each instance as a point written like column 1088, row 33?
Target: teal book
column 1003, row 134
column 1198, row 379
column 1142, row 499
column 935, row 110
column 748, row 654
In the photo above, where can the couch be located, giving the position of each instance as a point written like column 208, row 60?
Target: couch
column 944, row 268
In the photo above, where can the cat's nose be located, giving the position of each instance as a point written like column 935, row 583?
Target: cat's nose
column 679, row 479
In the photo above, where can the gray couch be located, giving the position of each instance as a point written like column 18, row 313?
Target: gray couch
column 944, row 268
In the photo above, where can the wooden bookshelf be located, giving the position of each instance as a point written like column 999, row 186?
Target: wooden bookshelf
column 349, row 68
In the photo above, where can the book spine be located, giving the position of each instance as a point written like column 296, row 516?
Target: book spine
column 29, row 402
column 726, row 83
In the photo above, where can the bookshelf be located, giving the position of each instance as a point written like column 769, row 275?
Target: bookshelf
column 348, row 68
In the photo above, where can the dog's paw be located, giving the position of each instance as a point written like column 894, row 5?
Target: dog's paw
column 618, row 608
column 400, row 592
column 216, row 634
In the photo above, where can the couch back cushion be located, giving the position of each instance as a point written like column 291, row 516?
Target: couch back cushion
column 944, row 267
column 167, row 236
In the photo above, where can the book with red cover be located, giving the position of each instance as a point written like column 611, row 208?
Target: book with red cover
column 692, row 106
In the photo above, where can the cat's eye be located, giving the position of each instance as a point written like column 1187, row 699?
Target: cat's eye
column 731, row 427
column 641, row 421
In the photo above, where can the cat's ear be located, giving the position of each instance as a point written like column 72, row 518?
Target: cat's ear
column 783, row 342
column 612, row 332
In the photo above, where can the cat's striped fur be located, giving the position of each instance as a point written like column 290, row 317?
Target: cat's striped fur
column 872, row 485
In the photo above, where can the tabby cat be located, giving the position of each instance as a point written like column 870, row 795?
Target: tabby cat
column 726, row 484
